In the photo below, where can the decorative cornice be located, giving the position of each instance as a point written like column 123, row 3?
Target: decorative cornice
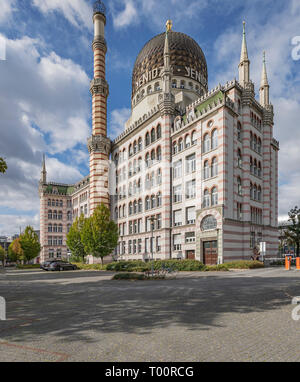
column 99, row 144
column 99, row 43
column 248, row 94
column 268, row 115
column 99, row 86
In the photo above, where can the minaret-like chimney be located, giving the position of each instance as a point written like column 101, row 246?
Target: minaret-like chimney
column 99, row 145
column 264, row 91
column 44, row 172
column 166, row 76
column 244, row 65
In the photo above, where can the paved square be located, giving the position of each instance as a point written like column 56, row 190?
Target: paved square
column 85, row 316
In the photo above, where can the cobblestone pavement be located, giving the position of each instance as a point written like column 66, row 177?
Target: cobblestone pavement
column 85, row 316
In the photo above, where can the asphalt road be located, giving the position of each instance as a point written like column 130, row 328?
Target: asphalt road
column 85, row 316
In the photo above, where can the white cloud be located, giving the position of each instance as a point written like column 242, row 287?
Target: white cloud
column 118, row 119
column 6, row 9
column 77, row 12
column 127, row 16
column 11, row 224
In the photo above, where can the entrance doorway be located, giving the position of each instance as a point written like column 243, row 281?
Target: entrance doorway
column 210, row 252
column 190, row 255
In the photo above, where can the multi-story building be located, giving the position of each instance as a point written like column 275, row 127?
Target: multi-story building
column 195, row 172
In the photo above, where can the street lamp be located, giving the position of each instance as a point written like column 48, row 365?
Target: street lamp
column 152, row 220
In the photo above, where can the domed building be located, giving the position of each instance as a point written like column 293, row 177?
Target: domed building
column 194, row 175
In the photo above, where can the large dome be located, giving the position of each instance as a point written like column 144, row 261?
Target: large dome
column 185, row 54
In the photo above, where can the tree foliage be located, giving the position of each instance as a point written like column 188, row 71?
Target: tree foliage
column 15, row 251
column 292, row 232
column 100, row 234
column 74, row 241
column 30, row 244
column 3, row 166
column 2, row 255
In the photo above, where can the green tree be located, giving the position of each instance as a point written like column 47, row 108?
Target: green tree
column 15, row 251
column 30, row 244
column 3, row 166
column 74, row 241
column 100, row 234
column 292, row 232
column 2, row 255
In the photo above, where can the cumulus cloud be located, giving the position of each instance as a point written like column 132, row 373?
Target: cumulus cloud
column 44, row 108
column 118, row 119
column 11, row 224
column 7, row 7
column 77, row 12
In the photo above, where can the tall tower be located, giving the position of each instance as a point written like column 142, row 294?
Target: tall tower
column 264, row 90
column 244, row 65
column 98, row 144
column 43, row 179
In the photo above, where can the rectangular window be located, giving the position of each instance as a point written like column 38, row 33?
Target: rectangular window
column 177, row 169
column 177, row 192
column 146, row 245
column 177, row 218
column 190, row 163
column 177, row 242
column 158, row 221
column 190, row 237
column 158, row 244
column 252, row 239
column 191, row 189
column 190, row 215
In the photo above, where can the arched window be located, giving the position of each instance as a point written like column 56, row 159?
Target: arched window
column 147, row 139
column 149, row 90
column 255, row 143
column 174, row 147
column 187, row 142
column 251, row 140
column 135, row 147
column 152, row 157
column 255, row 192
column 158, row 199
column 259, row 146
column 259, row 194
column 206, row 199
column 49, row 214
column 206, row 170
column 130, row 170
column 180, row 144
column 49, row 227
column 206, row 143
column 130, row 150
column 153, row 201
column 158, row 132
column 158, row 154
column 214, row 167
column 60, row 227
column 134, row 166
column 130, row 189
column 251, row 165
column 209, row 223
column 214, row 139
column 120, row 211
column 239, row 183
column 140, row 205
column 240, row 159
column 255, row 167
column 182, row 84
column 140, row 144
column 130, row 209
column 251, row 191
column 135, row 207
column 214, row 196
column 55, row 228
column 174, row 84
column 147, row 160
column 157, row 87
column 239, row 131
column 152, row 135
column 259, row 170
column 134, row 187
column 159, row 177
column 147, row 203
column 49, row 202
column 54, row 215
column 116, row 213
column 194, row 139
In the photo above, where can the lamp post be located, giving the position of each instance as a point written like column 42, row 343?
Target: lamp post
column 152, row 220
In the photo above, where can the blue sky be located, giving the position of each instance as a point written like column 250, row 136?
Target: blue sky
column 45, row 105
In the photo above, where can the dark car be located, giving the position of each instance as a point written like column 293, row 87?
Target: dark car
column 58, row 265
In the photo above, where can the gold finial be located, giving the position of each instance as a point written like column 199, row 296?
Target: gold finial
column 169, row 25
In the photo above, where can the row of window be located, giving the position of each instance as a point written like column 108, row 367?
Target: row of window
column 58, row 215
column 53, row 240
column 55, row 203
column 54, row 253
column 190, row 191
column 255, row 143
column 136, row 207
column 255, row 120
column 142, row 94
column 152, row 180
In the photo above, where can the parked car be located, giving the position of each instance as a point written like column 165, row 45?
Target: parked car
column 58, row 265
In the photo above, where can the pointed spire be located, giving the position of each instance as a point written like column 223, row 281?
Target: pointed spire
column 244, row 65
column 44, row 172
column 244, row 52
column 264, row 91
column 166, row 74
column 264, row 77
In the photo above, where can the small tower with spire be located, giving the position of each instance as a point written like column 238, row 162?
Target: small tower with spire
column 43, row 179
column 244, row 65
column 264, row 91
column 166, row 98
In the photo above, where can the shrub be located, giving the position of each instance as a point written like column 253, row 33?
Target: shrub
column 180, row 265
column 244, row 264
column 216, row 268
column 28, row 266
column 128, row 266
column 128, row 276
column 90, row 267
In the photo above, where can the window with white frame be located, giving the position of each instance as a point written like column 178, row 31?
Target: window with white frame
column 177, row 169
column 214, row 167
column 177, row 193
column 177, row 242
column 190, row 215
column 214, row 139
column 177, row 218
column 214, row 196
column 206, row 143
column 191, row 189
column 191, row 163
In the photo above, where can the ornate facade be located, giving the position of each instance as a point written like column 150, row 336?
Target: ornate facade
column 195, row 172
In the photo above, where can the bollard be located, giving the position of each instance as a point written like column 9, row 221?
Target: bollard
column 297, row 262
column 287, row 263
